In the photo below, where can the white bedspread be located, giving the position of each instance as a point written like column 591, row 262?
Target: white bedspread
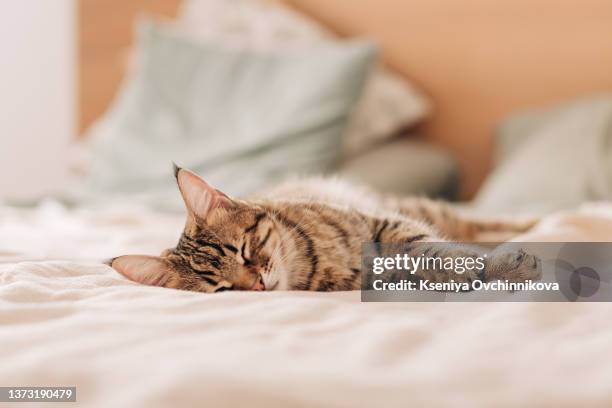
column 79, row 323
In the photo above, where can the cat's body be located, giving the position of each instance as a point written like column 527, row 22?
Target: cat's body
column 308, row 235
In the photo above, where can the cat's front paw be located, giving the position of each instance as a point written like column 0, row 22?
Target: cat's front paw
column 516, row 266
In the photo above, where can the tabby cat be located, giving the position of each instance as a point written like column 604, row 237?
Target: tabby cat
column 308, row 235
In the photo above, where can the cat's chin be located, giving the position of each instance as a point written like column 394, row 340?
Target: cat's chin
column 275, row 281
column 271, row 282
column 274, row 286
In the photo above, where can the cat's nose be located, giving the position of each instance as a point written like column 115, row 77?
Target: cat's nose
column 259, row 285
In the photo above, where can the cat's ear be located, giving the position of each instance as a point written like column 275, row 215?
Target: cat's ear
column 148, row 270
column 199, row 196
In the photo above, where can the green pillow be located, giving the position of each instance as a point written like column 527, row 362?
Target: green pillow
column 552, row 159
column 242, row 119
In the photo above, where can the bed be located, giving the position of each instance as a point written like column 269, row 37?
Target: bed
column 76, row 322
column 68, row 319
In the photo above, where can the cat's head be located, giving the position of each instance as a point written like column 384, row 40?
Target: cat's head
column 227, row 244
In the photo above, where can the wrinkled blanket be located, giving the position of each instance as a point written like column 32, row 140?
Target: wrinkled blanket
column 77, row 322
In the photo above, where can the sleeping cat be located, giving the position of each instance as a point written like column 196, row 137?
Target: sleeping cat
column 308, row 235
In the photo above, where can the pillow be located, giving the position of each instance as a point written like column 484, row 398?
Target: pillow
column 243, row 119
column 563, row 157
column 514, row 132
column 405, row 167
column 389, row 103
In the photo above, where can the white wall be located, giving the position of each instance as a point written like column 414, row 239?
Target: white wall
column 37, row 95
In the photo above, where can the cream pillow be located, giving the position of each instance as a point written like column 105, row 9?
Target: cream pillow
column 388, row 104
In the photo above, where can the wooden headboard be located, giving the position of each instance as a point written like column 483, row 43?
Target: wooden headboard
column 106, row 31
column 478, row 60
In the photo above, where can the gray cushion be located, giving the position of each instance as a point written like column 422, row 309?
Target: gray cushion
column 405, row 167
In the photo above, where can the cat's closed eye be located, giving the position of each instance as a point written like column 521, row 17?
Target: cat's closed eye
column 231, row 248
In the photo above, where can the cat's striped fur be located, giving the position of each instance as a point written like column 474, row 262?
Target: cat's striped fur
column 308, row 235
